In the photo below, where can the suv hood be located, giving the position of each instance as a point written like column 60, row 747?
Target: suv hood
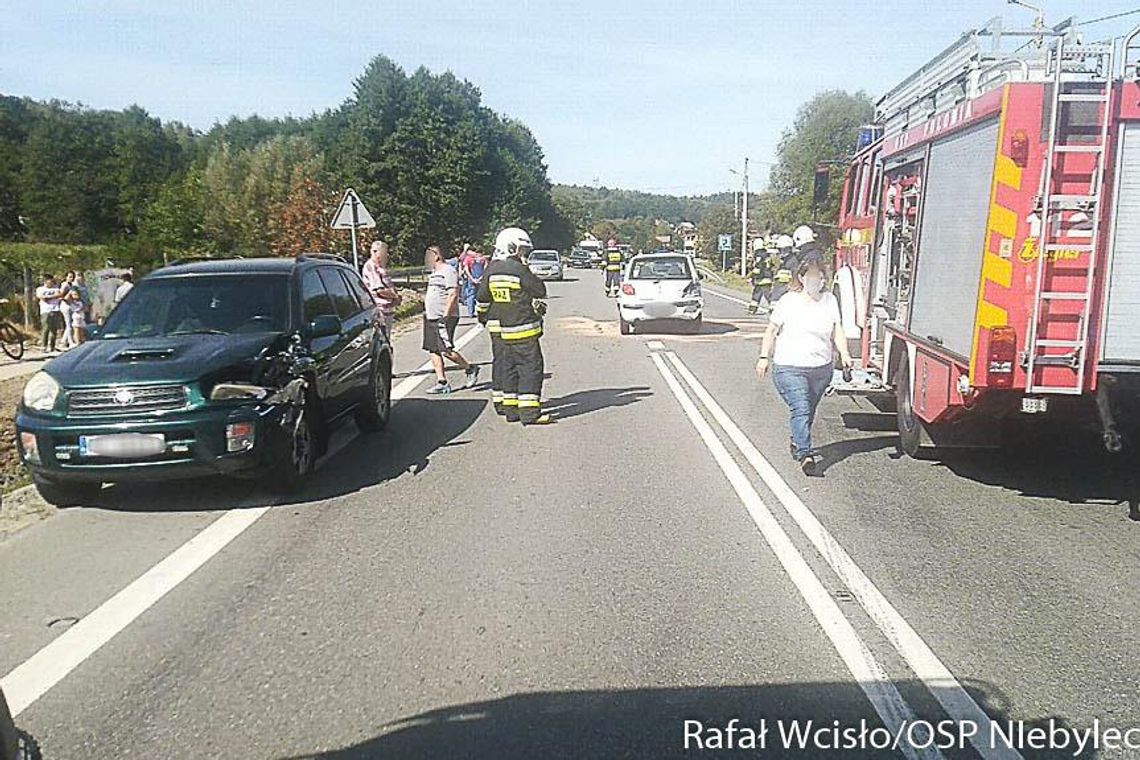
column 175, row 359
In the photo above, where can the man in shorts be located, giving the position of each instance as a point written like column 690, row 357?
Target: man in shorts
column 441, row 316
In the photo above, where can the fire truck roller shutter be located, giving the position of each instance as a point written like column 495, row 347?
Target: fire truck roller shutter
column 1121, row 342
column 952, row 237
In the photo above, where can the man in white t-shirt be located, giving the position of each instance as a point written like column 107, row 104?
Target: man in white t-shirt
column 441, row 317
column 124, row 288
column 51, row 318
column 803, row 330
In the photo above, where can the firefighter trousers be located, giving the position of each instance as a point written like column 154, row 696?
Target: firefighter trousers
column 613, row 280
column 498, row 373
column 523, row 369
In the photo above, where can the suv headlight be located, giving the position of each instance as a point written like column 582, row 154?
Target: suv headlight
column 41, row 392
column 238, row 392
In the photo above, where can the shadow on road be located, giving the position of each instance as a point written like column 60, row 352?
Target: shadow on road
column 1071, row 468
column 1042, row 460
column 651, row 723
column 418, row 428
column 869, row 422
column 596, row 399
column 834, row 453
column 681, row 327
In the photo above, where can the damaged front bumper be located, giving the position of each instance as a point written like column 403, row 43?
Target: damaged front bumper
column 197, row 443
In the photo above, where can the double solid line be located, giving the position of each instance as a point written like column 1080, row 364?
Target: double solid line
column 860, row 661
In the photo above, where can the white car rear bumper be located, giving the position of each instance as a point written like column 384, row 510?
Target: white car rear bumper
column 646, row 311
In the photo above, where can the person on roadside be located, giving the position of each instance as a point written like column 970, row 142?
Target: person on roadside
column 441, row 317
column 804, row 329
column 66, row 287
column 128, row 282
column 473, row 264
column 84, row 294
column 50, row 297
column 75, row 315
column 380, row 284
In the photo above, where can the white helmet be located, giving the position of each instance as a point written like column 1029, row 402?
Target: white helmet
column 512, row 241
column 785, row 242
column 802, row 236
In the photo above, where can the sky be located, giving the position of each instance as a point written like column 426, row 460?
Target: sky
column 659, row 96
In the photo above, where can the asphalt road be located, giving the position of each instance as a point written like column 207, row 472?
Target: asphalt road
column 459, row 587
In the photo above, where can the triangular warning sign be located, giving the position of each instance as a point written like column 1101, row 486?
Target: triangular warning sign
column 351, row 214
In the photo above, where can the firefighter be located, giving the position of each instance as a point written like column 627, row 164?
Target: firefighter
column 805, row 243
column 782, row 279
column 613, row 272
column 508, row 300
column 482, row 307
column 762, row 273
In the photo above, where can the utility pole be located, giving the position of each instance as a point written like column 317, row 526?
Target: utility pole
column 744, row 225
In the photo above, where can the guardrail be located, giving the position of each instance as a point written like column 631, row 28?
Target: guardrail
column 409, row 277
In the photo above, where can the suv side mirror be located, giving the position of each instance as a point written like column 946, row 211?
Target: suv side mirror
column 324, row 326
column 93, row 331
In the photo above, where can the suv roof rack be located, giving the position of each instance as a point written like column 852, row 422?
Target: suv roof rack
column 194, row 259
column 322, row 255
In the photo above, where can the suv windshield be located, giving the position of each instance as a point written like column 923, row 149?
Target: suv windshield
column 202, row 304
column 544, row 256
column 671, row 268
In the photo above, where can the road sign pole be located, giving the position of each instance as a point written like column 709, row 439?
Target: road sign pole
column 355, row 224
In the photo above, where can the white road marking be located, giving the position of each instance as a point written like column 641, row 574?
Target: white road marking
column 884, row 696
column 655, row 345
column 957, row 703
column 31, row 679
column 726, row 297
column 47, row 667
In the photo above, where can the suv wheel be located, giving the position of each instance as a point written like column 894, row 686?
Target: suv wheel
column 66, row 494
column 301, row 450
column 374, row 414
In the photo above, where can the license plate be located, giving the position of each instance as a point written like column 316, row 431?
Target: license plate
column 122, row 445
column 1034, row 405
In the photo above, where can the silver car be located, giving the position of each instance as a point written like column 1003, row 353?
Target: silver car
column 546, row 264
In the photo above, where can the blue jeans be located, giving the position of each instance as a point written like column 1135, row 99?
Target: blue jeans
column 801, row 388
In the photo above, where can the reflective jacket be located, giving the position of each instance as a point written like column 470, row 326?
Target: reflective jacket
column 613, row 261
column 762, row 272
column 784, row 269
column 505, row 300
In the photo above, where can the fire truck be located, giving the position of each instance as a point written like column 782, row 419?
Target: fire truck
column 988, row 252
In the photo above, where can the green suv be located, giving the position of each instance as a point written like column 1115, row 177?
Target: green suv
column 235, row 367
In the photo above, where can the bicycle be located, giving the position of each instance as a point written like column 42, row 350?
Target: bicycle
column 11, row 338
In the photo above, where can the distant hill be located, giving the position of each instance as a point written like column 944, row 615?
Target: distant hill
column 597, row 203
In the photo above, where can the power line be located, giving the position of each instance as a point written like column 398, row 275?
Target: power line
column 1110, row 18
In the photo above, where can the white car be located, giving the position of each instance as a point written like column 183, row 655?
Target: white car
column 546, row 265
column 660, row 287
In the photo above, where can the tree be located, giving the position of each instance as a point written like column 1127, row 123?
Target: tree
column 720, row 220
column 67, row 186
column 175, row 220
column 16, row 117
column 825, row 130
column 144, row 157
column 303, row 219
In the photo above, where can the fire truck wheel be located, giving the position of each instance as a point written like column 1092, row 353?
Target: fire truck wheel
column 912, row 432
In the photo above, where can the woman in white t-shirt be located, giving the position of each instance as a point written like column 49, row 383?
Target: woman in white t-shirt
column 802, row 329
